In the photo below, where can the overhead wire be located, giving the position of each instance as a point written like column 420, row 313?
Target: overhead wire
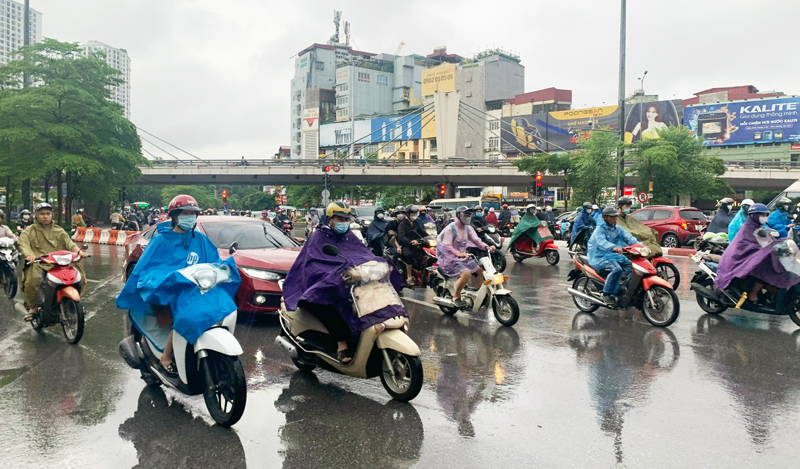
column 410, row 117
column 432, row 117
column 170, row 144
column 165, row 151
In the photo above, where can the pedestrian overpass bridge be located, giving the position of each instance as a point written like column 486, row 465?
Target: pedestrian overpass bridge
column 742, row 175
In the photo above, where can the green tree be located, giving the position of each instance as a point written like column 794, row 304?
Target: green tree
column 562, row 164
column 678, row 165
column 204, row 195
column 595, row 164
column 65, row 125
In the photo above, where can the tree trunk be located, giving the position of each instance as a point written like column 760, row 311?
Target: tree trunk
column 58, row 197
column 26, row 193
column 566, row 191
column 68, row 207
column 8, row 198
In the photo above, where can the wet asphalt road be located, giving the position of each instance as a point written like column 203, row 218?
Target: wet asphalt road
column 560, row 389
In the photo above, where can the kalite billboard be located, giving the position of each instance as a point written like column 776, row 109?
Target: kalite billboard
column 770, row 120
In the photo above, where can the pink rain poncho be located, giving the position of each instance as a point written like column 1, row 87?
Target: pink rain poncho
column 455, row 238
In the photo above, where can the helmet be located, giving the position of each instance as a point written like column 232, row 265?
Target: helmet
column 549, row 208
column 462, row 209
column 412, row 209
column 747, row 202
column 624, row 201
column 182, row 202
column 728, row 201
column 784, row 201
column 338, row 208
column 757, row 208
column 399, row 209
column 587, row 205
column 379, row 210
column 610, row 212
column 505, row 205
column 530, row 208
column 25, row 212
column 42, row 206
column 80, row 210
column 312, row 209
column 264, row 213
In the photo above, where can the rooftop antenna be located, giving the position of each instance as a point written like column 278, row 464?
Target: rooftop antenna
column 337, row 17
column 347, row 33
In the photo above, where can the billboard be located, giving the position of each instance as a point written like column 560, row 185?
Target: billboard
column 382, row 129
column 343, row 133
column 554, row 131
column 768, row 120
column 442, row 78
column 644, row 120
column 386, row 129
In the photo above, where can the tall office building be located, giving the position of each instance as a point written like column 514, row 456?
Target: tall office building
column 12, row 18
column 119, row 60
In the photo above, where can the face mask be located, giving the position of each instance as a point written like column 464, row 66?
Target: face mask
column 478, row 215
column 341, row 228
column 187, row 222
column 412, row 217
column 380, row 216
column 25, row 217
column 466, row 220
column 401, row 216
column 626, row 210
column 588, row 210
column 786, row 208
column 762, row 220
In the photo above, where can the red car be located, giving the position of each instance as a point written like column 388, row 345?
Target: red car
column 264, row 256
column 676, row 226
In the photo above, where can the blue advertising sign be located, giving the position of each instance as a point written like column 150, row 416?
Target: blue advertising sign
column 745, row 122
column 386, row 129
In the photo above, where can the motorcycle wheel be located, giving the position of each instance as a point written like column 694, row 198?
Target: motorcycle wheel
column 517, row 257
column 446, row 309
column 669, row 273
column 10, row 285
column 404, row 381
column 499, row 261
column 585, row 286
column 225, row 390
column 302, row 366
column 708, row 305
column 71, row 320
column 794, row 313
column 552, row 257
column 505, row 309
column 666, row 308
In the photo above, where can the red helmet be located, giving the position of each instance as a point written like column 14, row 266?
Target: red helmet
column 505, row 205
column 182, row 202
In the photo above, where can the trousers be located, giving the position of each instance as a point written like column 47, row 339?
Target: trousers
column 617, row 268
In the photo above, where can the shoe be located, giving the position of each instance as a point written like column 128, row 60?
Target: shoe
column 460, row 304
column 609, row 299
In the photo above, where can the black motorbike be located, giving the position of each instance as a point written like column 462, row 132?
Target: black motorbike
column 9, row 259
column 491, row 236
column 579, row 245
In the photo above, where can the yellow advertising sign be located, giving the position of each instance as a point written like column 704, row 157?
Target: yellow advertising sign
column 584, row 113
column 442, row 78
column 429, row 124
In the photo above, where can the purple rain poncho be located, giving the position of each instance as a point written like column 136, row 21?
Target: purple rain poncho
column 746, row 256
column 316, row 278
column 455, row 239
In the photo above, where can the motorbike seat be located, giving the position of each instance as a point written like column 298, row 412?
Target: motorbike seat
column 583, row 259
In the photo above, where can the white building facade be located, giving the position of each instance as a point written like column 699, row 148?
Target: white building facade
column 12, row 19
column 117, row 59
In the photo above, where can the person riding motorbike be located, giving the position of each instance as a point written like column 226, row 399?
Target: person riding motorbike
column 39, row 239
column 549, row 216
column 309, row 285
column 312, row 218
column 178, row 245
column 392, row 228
column 409, row 235
column 478, row 221
column 646, row 235
column 780, row 220
column 282, row 218
column 739, row 219
column 86, row 218
column 583, row 219
column 721, row 221
column 25, row 220
column 77, row 220
column 377, row 231
column 605, row 252
column 504, row 218
column 753, row 253
column 117, row 219
column 597, row 214
column 5, row 231
column 528, row 226
column 264, row 215
column 491, row 217
column 451, row 251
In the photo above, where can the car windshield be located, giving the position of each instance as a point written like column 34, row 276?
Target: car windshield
column 692, row 215
column 364, row 211
column 248, row 235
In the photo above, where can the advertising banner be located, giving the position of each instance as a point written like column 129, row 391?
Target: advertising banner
column 554, row 131
column 311, row 119
column 343, row 133
column 745, row 122
column 442, row 78
column 644, row 120
column 397, row 128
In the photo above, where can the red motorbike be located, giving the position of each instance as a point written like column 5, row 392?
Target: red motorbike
column 422, row 277
column 523, row 247
column 60, row 295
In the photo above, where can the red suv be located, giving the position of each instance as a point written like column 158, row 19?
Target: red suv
column 676, row 226
column 264, row 256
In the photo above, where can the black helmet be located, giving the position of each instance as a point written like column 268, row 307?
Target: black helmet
column 587, row 205
column 610, row 212
column 624, row 201
column 379, row 210
column 462, row 209
column 412, row 209
column 42, row 206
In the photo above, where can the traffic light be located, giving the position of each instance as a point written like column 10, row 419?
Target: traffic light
column 442, row 190
column 539, row 184
column 538, row 179
column 224, row 195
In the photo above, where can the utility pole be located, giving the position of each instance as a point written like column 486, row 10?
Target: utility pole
column 621, row 152
column 26, row 41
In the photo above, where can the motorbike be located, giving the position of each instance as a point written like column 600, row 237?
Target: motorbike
column 642, row 288
column 491, row 237
column 580, row 244
column 356, row 229
column 490, row 294
column 60, row 295
column 715, row 301
column 210, row 366
column 424, row 276
column 384, row 349
column 523, row 247
column 507, row 230
column 9, row 258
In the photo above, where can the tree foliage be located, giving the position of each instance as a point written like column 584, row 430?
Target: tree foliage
column 595, row 164
column 562, row 164
column 678, row 165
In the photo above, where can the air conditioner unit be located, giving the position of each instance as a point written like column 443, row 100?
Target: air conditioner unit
column 468, row 145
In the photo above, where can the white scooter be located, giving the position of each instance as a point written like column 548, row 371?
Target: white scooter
column 490, row 294
column 384, row 349
column 210, row 366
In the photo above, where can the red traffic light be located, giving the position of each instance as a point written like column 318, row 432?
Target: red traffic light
column 224, row 193
column 538, row 184
column 327, row 168
column 442, row 189
column 539, row 178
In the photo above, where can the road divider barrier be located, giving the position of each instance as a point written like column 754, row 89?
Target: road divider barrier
column 101, row 236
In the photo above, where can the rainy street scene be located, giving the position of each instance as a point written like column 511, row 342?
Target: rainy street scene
column 329, row 235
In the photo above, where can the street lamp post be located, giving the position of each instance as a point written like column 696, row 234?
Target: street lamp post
column 641, row 99
column 621, row 124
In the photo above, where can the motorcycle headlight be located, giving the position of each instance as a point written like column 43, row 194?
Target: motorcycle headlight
column 498, row 279
column 645, row 251
column 262, row 274
column 432, row 243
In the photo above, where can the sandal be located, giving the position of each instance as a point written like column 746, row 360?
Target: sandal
column 170, row 370
column 344, row 356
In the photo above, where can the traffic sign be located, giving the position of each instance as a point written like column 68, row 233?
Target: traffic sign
column 326, row 193
column 642, row 197
column 336, row 168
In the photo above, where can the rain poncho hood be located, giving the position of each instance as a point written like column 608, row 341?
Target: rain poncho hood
column 779, row 220
column 316, row 278
column 720, row 222
column 755, row 252
column 646, row 235
column 597, row 215
column 583, row 219
column 168, row 252
column 605, row 238
column 736, row 224
column 531, row 226
column 377, row 229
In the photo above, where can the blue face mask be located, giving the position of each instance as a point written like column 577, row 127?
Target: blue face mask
column 478, row 214
column 187, row 222
column 341, row 228
column 626, row 210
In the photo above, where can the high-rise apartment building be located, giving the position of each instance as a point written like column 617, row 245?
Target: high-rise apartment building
column 119, row 60
column 12, row 19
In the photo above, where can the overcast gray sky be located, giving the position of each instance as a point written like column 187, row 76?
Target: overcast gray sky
column 212, row 76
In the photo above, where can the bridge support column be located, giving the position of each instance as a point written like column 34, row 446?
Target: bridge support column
column 449, row 190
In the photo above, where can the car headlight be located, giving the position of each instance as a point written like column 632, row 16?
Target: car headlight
column 262, row 274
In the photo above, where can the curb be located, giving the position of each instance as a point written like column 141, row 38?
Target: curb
column 101, row 236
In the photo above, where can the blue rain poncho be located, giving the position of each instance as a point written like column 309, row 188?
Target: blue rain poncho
column 605, row 238
column 736, row 223
column 583, row 219
column 779, row 220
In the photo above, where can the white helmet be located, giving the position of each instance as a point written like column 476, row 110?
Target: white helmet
column 549, row 208
column 748, row 202
column 530, row 208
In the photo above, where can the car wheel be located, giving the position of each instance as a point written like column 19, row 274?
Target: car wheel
column 670, row 241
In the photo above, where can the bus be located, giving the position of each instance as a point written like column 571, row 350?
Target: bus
column 485, row 201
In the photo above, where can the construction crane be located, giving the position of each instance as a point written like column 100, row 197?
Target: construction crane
column 397, row 52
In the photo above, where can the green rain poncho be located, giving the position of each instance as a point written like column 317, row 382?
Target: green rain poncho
column 640, row 231
column 533, row 227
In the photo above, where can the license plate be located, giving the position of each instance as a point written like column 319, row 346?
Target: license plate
column 698, row 227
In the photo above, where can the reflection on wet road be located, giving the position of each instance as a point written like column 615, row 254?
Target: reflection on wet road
column 560, row 389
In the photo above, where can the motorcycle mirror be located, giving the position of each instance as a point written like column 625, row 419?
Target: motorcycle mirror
column 234, row 248
column 330, row 250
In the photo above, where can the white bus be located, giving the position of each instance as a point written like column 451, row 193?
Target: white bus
column 452, row 204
